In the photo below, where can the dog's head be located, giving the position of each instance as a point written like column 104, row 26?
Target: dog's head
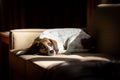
column 46, row 46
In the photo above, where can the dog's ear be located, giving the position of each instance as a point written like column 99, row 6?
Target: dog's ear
column 54, row 45
column 33, row 49
column 36, row 42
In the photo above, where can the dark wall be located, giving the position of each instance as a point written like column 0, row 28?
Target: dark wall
column 59, row 13
column 12, row 14
column 42, row 14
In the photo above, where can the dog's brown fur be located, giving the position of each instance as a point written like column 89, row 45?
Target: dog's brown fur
column 43, row 45
column 39, row 46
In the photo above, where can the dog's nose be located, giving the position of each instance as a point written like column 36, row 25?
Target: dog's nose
column 51, row 51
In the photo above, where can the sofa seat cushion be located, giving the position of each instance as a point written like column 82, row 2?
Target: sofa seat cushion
column 49, row 61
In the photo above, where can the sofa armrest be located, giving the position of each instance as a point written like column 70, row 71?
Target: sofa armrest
column 22, row 38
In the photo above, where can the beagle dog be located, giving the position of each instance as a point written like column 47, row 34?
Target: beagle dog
column 43, row 46
column 61, row 41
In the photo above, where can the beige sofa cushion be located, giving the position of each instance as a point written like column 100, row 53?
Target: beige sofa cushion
column 23, row 38
column 49, row 61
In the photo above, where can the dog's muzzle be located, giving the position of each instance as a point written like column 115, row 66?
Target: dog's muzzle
column 51, row 52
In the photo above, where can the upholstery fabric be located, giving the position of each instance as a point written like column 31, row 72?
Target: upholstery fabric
column 22, row 38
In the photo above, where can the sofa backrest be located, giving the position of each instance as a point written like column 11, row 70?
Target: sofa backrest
column 105, row 28
column 23, row 38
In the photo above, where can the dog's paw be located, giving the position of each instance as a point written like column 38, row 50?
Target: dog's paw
column 67, row 52
column 20, row 52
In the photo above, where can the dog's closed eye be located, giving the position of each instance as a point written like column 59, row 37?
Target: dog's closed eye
column 42, row 46
column 50, row 44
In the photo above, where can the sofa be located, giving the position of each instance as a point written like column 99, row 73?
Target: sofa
column 36, row 67
column 33, row 67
